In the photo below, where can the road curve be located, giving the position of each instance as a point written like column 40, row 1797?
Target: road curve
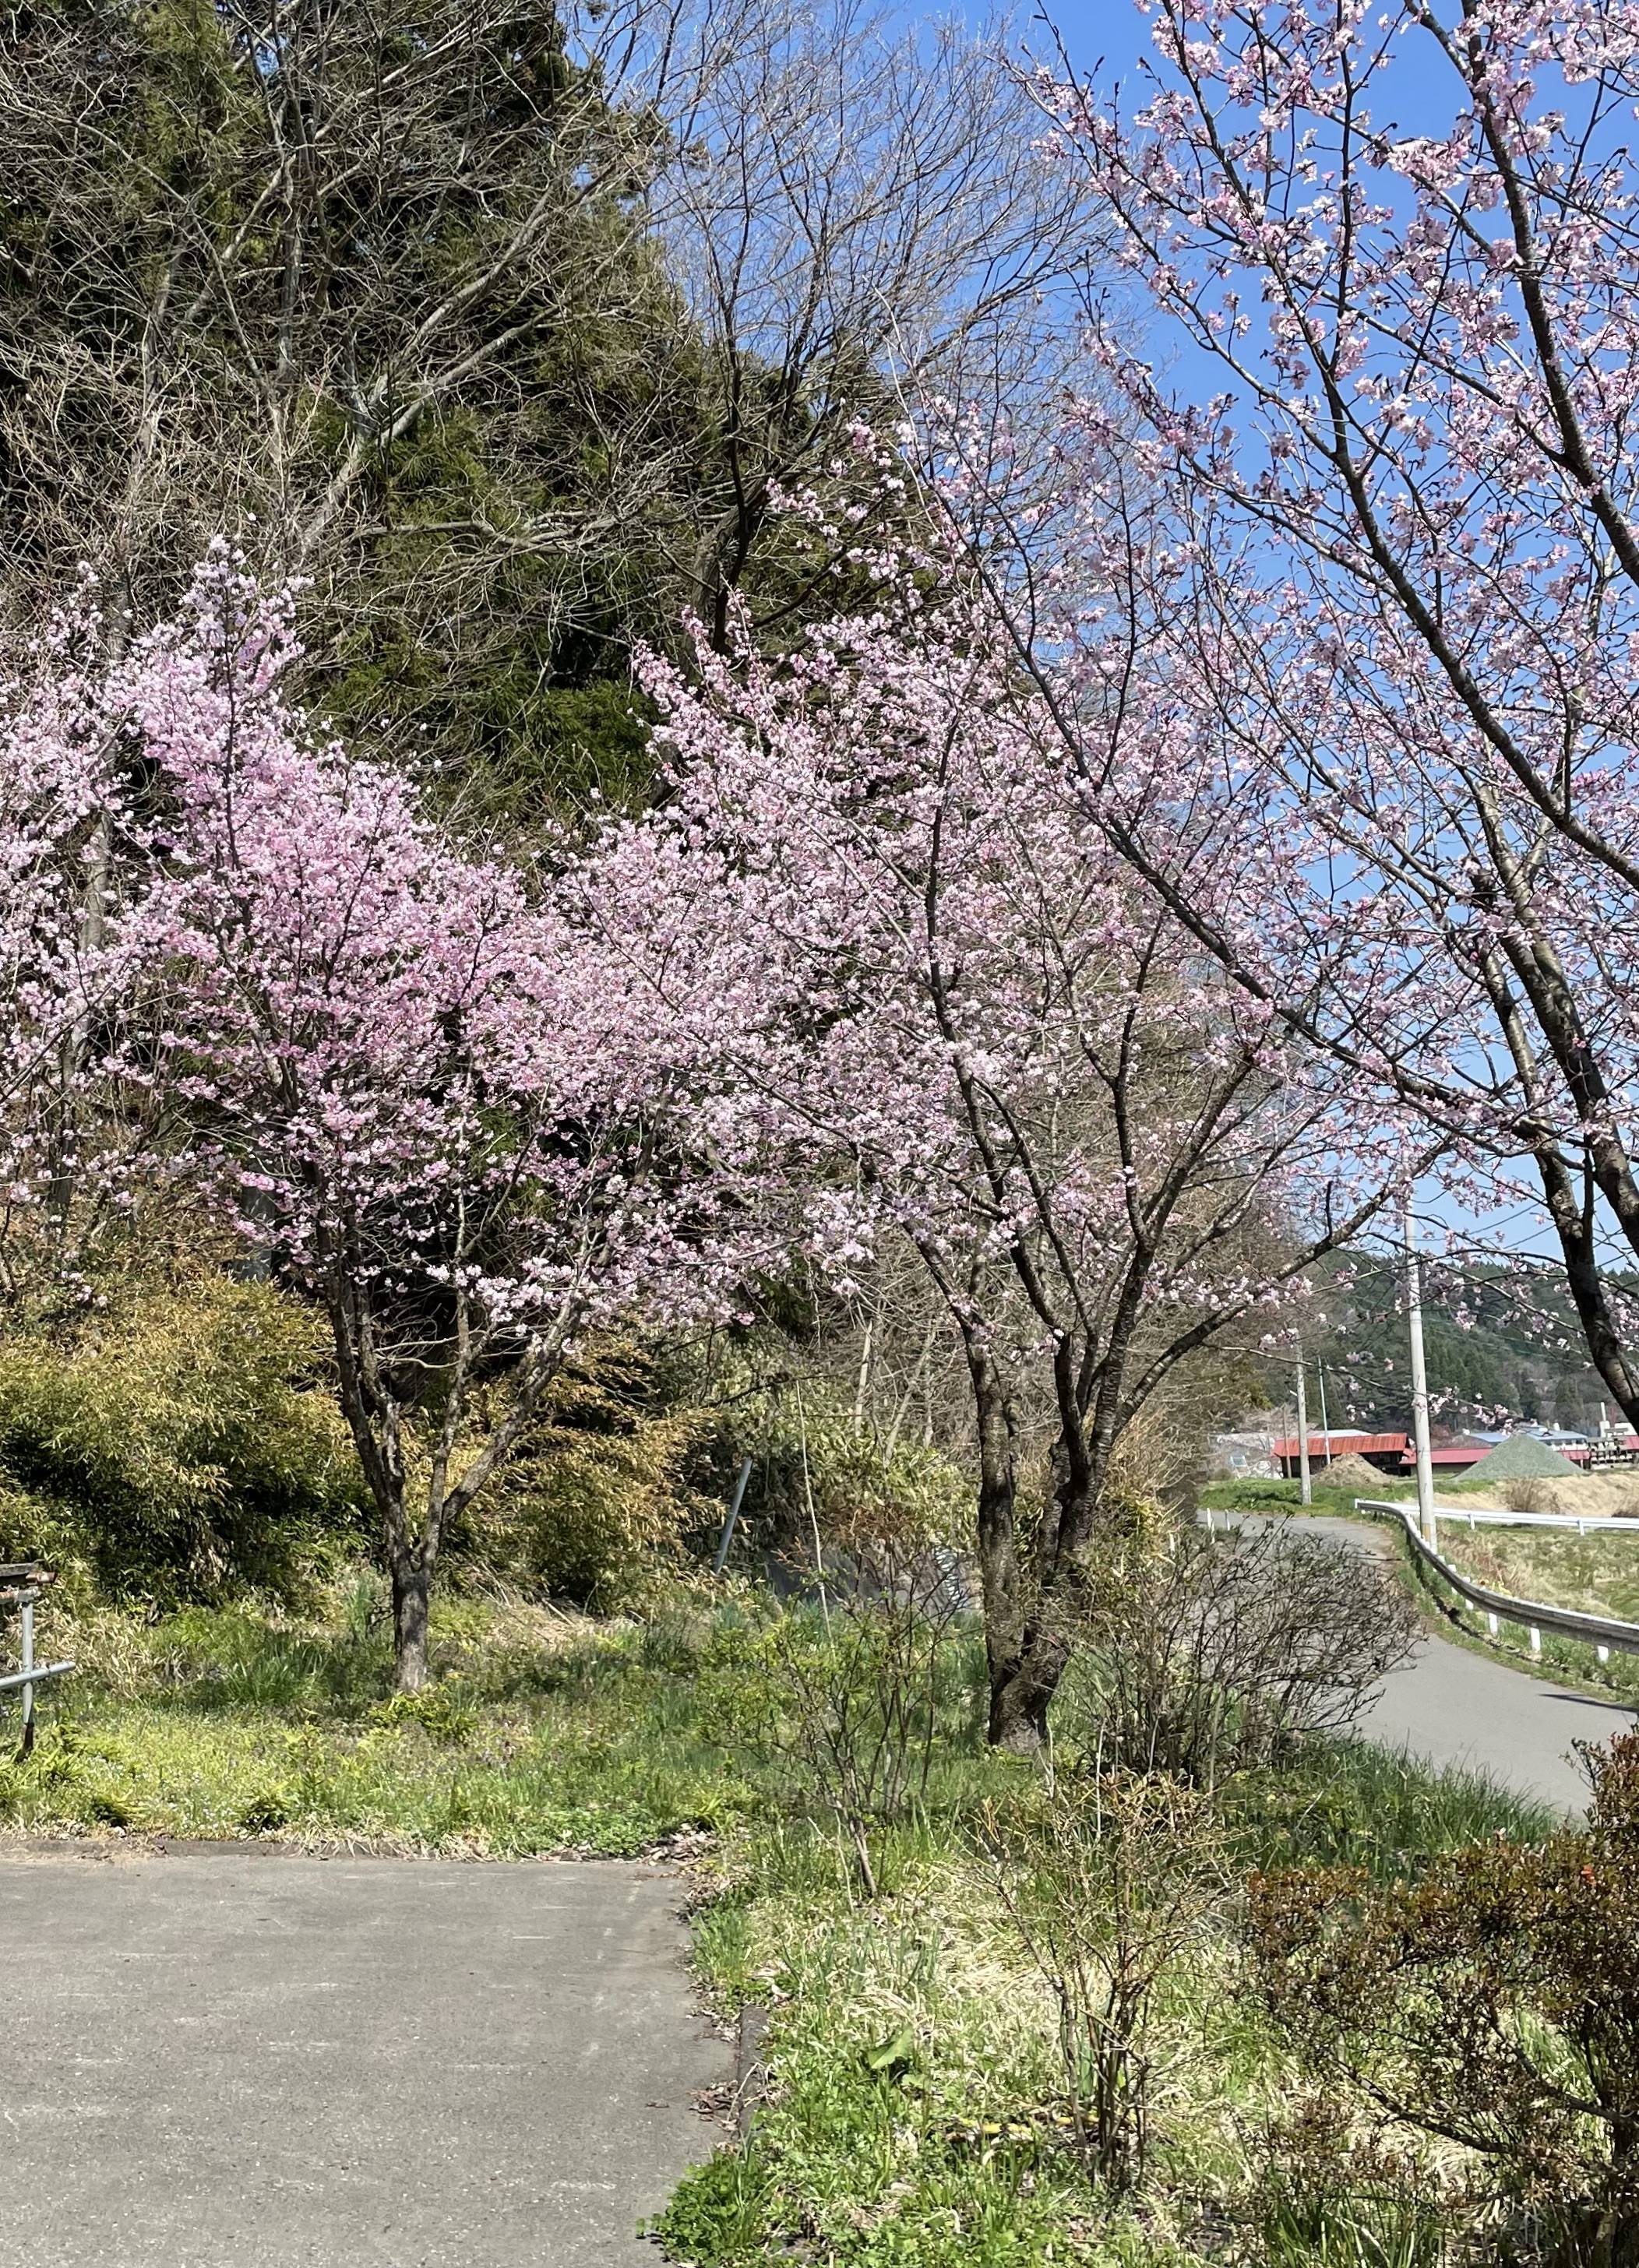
column 1451, row 1706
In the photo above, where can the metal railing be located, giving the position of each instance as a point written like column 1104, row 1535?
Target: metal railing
column 1601, row 1631
column 1568, row 1523
column 21, row 1584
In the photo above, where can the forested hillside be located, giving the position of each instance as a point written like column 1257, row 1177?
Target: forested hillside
column 1501, row 1345
column 498, row 329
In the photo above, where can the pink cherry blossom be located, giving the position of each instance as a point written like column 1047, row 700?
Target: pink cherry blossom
column 877, row 912
column 1378, row 598
column 416, row 1090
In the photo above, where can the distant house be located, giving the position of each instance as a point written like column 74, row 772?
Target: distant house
column 1385, row 1451
column 1451, row 1461
column 1245, row 1456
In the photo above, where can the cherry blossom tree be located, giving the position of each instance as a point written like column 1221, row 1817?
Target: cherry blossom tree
column 875, row 908
column 68, row 841
column 417, row 1092
column 1372, row 611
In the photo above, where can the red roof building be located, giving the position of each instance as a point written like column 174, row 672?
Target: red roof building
column 1384, row 1450
column 1456, row 1457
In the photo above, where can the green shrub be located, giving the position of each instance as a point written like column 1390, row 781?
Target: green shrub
column 178, row 1445
column 1494, row 2004
column 814, row 1465
column 854, row 1691
column 622, row 1483
column 598, row 1499
column 1110, row 1883
column 445, row 1710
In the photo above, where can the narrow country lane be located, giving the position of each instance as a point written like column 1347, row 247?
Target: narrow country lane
column 1451, row 1706
column 238, row 2060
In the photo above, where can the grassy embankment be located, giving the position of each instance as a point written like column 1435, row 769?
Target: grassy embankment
column 1596, row 1574
column 540, row 1733
column 1285, row 1496
column 916, row 2113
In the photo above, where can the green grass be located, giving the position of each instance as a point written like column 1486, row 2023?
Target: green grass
column 913, row 2080
column 916, row 2113
column 1287, row 1496
column 1348, row 1803
column 540, row 1735
column 1596, row 1574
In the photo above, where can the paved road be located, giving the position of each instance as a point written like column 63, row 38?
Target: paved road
column 243, row 2061
column 1452, row 1706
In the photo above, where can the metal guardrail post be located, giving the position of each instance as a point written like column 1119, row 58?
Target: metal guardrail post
column 27, row 1581
column 721, row 1560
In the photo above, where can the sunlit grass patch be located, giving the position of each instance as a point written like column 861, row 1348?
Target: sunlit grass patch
column 543, row 1734
column 1596, row 1574
column 915, row 2108
column 917, row 2111
column 1351, row 1803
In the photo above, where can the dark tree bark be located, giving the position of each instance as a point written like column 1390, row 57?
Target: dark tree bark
column 413, row 1594
column 382, row 1372
column 997, row 1532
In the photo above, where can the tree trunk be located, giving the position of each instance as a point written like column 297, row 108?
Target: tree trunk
column 412, row 1586
column 997, row 1532
column 1020, row 1698
column 1022, row 1688
column 1018, row 1712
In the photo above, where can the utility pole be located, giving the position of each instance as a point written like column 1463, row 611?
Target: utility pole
column 1420, row 1383
column 1305, row 1495
column 1326, row 1430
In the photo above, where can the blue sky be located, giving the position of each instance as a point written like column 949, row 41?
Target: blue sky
column 1108, row 31
column 1107, row 40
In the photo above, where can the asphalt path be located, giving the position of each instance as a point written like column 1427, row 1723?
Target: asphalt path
column 239, row 2061
column 1450, row 1705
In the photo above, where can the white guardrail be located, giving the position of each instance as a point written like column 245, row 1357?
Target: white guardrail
column 1568, row 1523
column 1598, row 1631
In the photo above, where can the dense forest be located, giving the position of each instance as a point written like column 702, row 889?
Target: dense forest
column 499, row 331
column 1501, row 1346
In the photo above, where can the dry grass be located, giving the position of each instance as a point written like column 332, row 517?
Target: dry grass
column 1596, row 1495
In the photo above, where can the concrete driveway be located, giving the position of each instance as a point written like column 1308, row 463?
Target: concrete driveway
column 240, row 2060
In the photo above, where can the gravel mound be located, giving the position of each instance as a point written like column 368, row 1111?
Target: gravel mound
column 1352, row 1472
column 1522, row 1458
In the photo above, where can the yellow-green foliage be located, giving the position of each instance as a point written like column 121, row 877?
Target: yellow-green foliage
column 541, row 1731
column 812, row 1464
column 632, row 1458
column 181, row 1440
column 597, row 1500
